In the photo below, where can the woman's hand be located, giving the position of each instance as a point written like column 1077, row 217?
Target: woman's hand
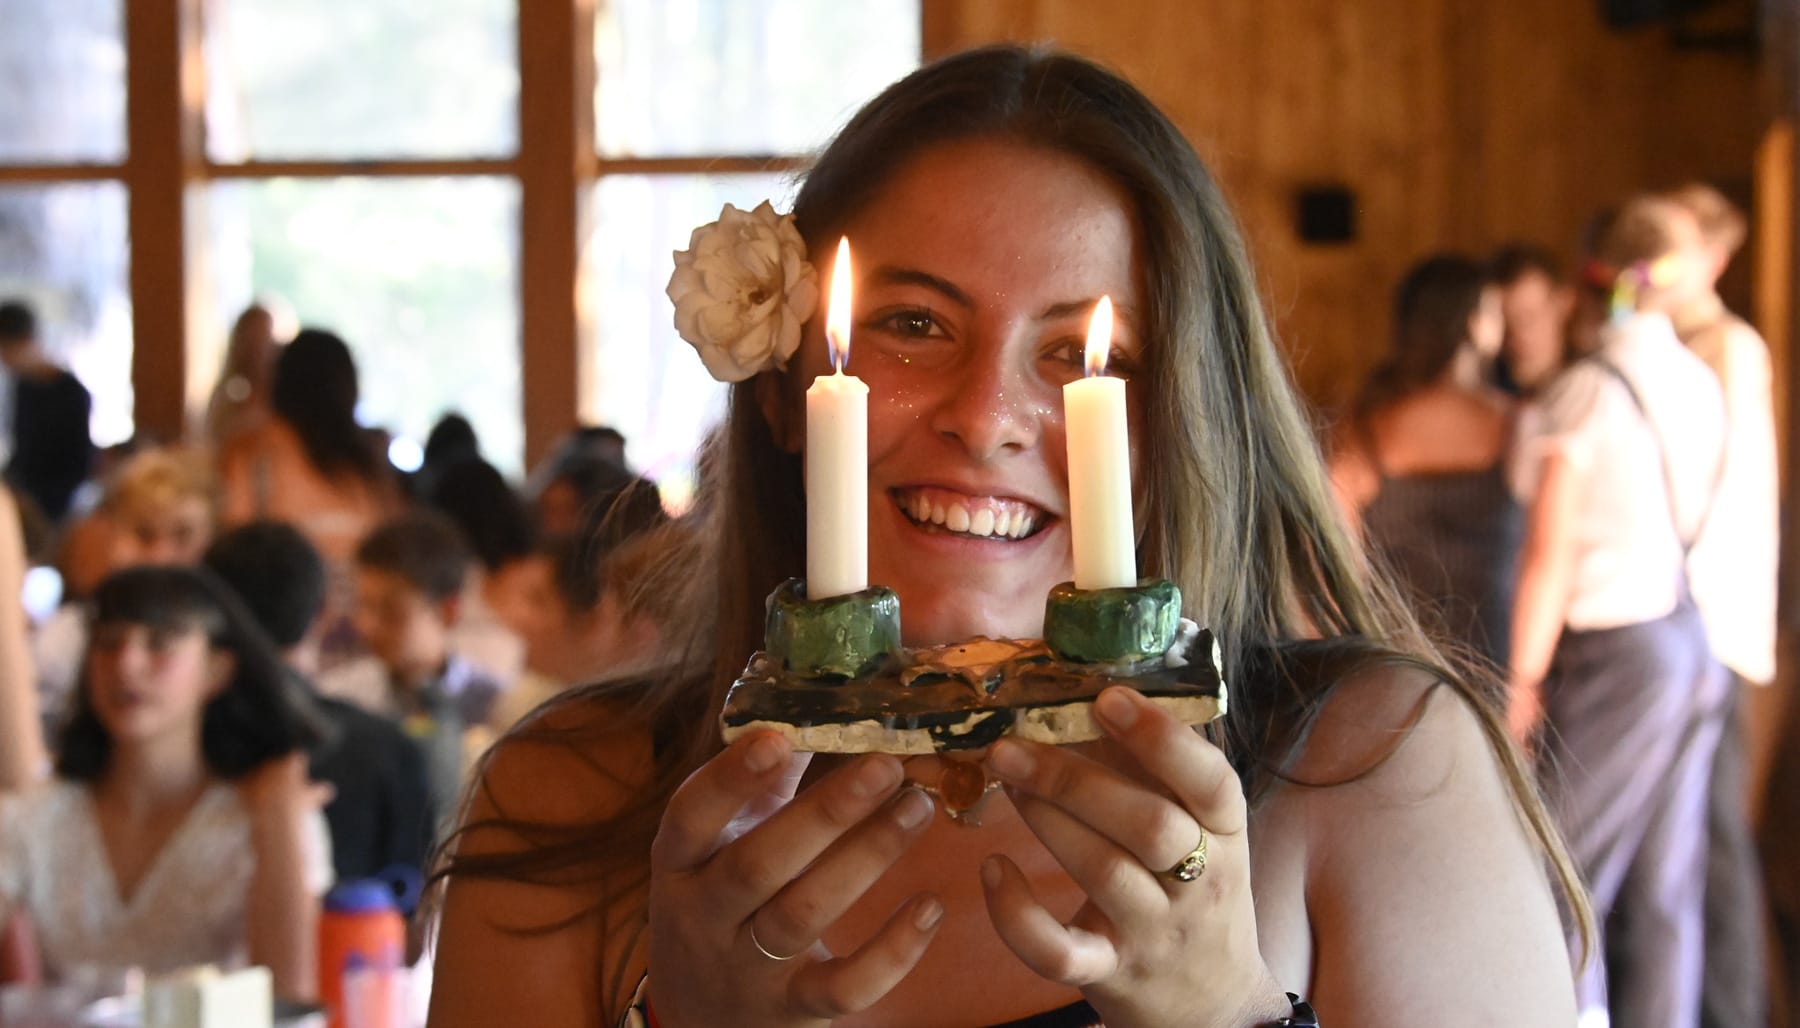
column 746, row 877
column 1146, row 948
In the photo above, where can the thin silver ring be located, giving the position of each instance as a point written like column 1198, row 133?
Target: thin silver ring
column 764, row 950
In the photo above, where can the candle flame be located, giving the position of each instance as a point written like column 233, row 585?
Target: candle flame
column 837, row 316
column 1099, row 337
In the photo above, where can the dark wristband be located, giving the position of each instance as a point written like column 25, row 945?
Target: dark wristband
column 1302, row 1017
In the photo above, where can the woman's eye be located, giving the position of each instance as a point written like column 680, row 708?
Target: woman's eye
column 161, row 639
column 909, row 324
column 1068, row 351
column 1073, row 353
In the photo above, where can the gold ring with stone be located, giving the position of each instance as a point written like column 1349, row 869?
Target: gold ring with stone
column 1189, row 867
column 764, row 950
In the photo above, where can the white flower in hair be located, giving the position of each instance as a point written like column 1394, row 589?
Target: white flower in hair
column 742, row 289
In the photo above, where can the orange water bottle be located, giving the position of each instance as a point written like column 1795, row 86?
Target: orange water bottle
column 361, row 928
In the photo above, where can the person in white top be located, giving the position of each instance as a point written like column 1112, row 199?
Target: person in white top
column 179, row 828
column 1618, row 462
column 1733, row 572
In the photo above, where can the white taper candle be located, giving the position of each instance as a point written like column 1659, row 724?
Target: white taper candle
column 837, row 459
column 1099, row 449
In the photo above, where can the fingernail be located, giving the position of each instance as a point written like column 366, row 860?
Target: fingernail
column 990, row 872
column 911, row 809
column 930, row 912
column 764, row 754
column 1117, row 708
column 1011, row 760
column 875, row 776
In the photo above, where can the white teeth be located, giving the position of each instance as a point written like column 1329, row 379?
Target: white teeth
column 985, row 521
column 982, row 523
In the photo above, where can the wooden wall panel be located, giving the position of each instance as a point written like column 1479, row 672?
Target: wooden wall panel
column 1458, row 123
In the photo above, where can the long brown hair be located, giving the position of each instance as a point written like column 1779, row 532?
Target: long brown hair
column 1236, row 509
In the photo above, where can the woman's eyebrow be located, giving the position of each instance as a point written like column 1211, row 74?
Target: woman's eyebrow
column 1122, row 314
column 888, row 274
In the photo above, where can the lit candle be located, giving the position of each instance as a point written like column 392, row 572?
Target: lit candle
column 837, row 459
column 1099, row 467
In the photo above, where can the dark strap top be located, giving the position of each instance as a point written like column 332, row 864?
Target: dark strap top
column 1076, row 1015
column 1452, row 540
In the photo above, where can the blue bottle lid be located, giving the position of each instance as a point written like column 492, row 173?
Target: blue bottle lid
column 361, row 896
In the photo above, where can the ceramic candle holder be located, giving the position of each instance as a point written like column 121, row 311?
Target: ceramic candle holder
column 843, row 636
column 834, row 678
column 1112, row 626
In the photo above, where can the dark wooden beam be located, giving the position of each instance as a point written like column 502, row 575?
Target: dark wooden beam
column 556, row 167
column 164, row 102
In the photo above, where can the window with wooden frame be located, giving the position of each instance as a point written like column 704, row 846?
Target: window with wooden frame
column 480, row 195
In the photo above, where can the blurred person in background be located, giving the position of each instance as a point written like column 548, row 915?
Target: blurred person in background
column 574, row 477
column 159, row 507
column 1420, row 462
column 1535, row 302
column 312, row 464
column 451, row 441
column 52, row 452
column 180, row 828
column 1618, row 462
column 23, row 759
column 410, row 574
column 591, row 621
column 378, row 811
column 240, row 398
column 497, row 525
column 1733, row 569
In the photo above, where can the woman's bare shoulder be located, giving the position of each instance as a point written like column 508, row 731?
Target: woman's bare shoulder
column 1421, row 871
column 1381, row 717
column 575, row 761
column 534, row 948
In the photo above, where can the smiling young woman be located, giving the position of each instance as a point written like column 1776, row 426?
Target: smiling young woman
column 992, row 199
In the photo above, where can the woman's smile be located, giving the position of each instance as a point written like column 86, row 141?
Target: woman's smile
column 980, row 517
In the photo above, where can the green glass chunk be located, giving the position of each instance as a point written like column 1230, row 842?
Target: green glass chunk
column 1112, row 626
column 845, row 636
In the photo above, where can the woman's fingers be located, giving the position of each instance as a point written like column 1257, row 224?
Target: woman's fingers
column 1192, row 769
column 801, row 911
column 761, row 863
column 1062, row 953
column 703, row 808
column 1152, row 828
column 846, row 985
column 1118, row 883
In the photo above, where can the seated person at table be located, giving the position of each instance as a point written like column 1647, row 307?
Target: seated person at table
column 180, row 828
column 409, row 584
column 1357, row 829
column 160, row 507
column 378, row 808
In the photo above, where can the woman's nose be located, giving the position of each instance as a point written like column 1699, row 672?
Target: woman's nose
column 992, row 408
column 128, row 656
